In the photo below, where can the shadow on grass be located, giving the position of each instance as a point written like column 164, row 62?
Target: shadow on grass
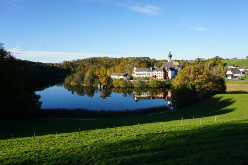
column 237, row 92
column 215, row 144
column 209, row 106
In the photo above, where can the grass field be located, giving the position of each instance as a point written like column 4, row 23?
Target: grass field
column 214, row 130
column 238, row 62
column 241, row 82
column 237, row 88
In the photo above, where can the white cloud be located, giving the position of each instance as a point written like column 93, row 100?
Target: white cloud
column 141, row 8
column 191, row 27
column 51, row 57
column 148, row 10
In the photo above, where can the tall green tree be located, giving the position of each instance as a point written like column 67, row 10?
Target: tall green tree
column 139, row 84
column 154, row 83
column 78, row 78
column 125, row 84
column 90, row 78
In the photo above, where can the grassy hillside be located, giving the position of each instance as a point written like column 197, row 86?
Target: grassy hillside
column 213, row 131
column 238, row 62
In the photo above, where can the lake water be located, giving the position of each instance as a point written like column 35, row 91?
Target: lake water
column 68, row 97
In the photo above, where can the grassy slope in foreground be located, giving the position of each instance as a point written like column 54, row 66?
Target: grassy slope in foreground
column 158, row 139
column 238, row 62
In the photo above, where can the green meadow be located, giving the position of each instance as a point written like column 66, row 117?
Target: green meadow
column 213, row 130
column 238, row 62
column 240, row 82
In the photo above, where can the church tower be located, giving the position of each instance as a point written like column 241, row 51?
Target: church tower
column 169, row 57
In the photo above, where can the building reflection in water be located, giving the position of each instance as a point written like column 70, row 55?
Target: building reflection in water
column 147, row 95
column 169, row 98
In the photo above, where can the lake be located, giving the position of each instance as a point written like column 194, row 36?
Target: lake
column 73, row 97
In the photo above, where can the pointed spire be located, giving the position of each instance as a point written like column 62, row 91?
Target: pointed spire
column 169, row 57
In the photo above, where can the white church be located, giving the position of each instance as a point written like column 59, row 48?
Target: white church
column 167, row 71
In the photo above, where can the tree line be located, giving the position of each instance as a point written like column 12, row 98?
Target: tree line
column 38, row 74
column 97, row 70
column 107, row 65
column 19, row 80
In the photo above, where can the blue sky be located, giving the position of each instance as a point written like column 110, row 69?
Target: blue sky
column 57, row 30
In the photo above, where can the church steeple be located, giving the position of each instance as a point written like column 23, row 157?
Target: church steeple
column 169, row 57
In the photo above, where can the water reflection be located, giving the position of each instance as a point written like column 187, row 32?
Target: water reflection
column 104, row 99
column 153, row 94
column 136, row 93
column 169, row 98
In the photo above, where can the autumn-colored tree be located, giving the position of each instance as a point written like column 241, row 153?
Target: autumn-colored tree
column 116, row 83
column 106, row 81
column 192, row 83
column 214, row 62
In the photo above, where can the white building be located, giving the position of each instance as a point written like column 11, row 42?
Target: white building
column 232, row 66
column 142, row 72
column 234, row 73
column 124, row 76
column 243, row 68
column 168, row 71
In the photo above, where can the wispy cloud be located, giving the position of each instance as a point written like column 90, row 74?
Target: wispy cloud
column 8, row 2
column 197, row 28
column 148, row 9
column 52, row 57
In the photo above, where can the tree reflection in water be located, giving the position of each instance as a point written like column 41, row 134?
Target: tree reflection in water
column 136, row 93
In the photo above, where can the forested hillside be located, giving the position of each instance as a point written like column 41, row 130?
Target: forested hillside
column 107, row 65
column 38, row 74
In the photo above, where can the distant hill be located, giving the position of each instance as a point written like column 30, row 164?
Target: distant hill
column 238, row 62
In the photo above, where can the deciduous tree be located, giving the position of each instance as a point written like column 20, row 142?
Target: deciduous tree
column 192, row 83
column 90, row 78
